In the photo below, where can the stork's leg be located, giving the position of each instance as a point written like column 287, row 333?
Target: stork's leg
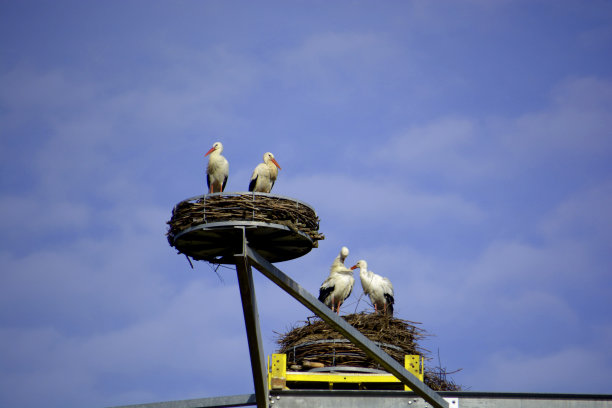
column 375, row 308
column 338, row 311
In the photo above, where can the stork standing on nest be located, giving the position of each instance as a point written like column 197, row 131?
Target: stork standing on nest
column 265, row 174
column 217, row 170
column 339, row 284
column 378, row 288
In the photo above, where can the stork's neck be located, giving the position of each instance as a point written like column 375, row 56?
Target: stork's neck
column 344, row 271
column 365, row 274
column 340, row 268
column 216, row 161
column 272, row 167
column 338, row 262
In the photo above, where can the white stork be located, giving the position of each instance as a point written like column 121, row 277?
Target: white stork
column 378, row 288
column 265, row 174
column 339, row 284
column 217, row 170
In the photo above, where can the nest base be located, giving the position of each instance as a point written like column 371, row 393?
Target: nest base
column 316, row 342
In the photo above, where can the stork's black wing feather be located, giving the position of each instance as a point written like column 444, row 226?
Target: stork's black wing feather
column 325, row 292
column 390, row 301
column 252, row 183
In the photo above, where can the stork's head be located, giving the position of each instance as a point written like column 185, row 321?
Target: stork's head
column 269, row 157
column 216, row 147
column 344, row 252
column 361, row 265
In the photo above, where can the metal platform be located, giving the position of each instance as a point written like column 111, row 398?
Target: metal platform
column 395, row 399
column 454, row 399
column 215, row 242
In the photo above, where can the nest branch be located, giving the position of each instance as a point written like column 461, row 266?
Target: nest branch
column 244, row 207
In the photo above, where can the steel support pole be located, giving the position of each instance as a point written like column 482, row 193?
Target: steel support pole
column 304, row 297
column 251, row 321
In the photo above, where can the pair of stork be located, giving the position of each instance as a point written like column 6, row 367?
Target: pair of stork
column 217, row 172
column 339, row 285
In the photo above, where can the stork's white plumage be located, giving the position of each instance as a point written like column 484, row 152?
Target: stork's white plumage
column 378, row 288
column 265, row 174
column 339, row 284
column 217, row 170
column 338, row 263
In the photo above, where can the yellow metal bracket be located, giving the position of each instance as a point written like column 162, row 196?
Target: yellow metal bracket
column 414, row 364
column 279, row 378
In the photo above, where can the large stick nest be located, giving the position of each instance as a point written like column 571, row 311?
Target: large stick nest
column 258, row 207
column 316, row 342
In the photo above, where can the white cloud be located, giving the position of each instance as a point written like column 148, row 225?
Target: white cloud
column 24, row 89
column 514, row 264
column 577, row 123
column 32, row 215
column 183, row 340
column 584, row 217
column 450, row 146
column 335, row 67
column 321, row 54
column 463, row 149
column 422, row 144
column 372, row 199
column 553, row 372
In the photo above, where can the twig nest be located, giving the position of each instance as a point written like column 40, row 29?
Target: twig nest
column 279, row 228
column 316, row 342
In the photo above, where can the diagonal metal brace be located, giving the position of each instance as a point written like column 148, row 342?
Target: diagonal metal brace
column 304, row 297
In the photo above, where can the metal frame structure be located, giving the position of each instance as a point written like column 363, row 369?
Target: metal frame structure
column 249, row 257
column 245, row 259
column 229, row 244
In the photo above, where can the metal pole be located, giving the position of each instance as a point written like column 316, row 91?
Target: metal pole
column 368, row 346
column 251, row 321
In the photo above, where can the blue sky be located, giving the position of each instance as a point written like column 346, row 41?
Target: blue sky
column 462, row 148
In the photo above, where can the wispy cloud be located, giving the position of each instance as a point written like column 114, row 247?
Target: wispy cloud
column 584, row 216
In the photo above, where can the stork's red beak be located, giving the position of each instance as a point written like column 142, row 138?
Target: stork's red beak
column 275, row 163
column 353, row 267
column 212, row 149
